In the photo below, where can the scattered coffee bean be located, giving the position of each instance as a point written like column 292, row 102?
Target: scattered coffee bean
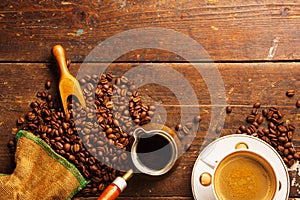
column 197, row 119
column 256, row 105
column 298, row 104
column 48, row 85
column 260, row 120
column 178, row 127
column 243, row 128
column 265, row 112
column 254, row 111
column 290, row 93
column 228, row 109
column 20, row 120
column 250, row 118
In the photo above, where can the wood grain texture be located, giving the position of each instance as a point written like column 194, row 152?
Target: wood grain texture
column 263, row 82
column 243, row 30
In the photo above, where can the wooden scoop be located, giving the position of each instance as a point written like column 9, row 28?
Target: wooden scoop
column 68, row 85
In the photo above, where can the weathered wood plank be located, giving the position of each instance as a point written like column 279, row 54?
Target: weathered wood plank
column 263, row 82
column 228, row 30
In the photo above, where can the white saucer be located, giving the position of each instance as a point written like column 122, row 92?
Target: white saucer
column 223, row 146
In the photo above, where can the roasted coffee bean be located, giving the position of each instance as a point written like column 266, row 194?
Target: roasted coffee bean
column 265, row 131
column 285, row 160
column 290, row 135
column 292, row 150
column 228, row 109
column 291, row 163
column 280, row 114
column 286, row 152
column 272, row 136
column 197, row 119
column 272, row 131
column 298, row 104
column 260, row 133
column 290, row 93
column 281, row 139
column 255, row 124
column 271, row 125
column 276, row 121
column 282, row 129
column 256, row 105
column 280, row 148
column 254, row 134
column 260, row 119
column 250, row 118
column 243, row 128
column 291, row 127
column 252, row 128
column 290, row 157
column 274, row 143
column 67, row 147
column 71, row 158
column 265, row 112
column 20, row 120
column 11, row 143
column 287, row 145
column 48, row 85
column 296, row 156
column 254, row 111
column 248, row 131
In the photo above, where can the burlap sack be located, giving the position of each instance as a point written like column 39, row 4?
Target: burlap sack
column 40, row 173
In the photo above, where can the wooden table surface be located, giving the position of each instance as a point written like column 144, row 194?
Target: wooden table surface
column 254, row 45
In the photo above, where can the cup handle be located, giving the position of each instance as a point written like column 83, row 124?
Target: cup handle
column 137, row 132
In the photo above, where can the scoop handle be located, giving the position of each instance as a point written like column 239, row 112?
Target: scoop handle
column 60, row 56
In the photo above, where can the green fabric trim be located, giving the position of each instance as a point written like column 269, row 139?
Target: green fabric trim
column 4, row 175
column 58, row 158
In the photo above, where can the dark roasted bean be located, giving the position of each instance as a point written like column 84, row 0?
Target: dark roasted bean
column 243, row 128
column 282, row 129
column 298, row 104
column 255, row 124
column 260, row 119
column 287, row 145
column 296, row 156
column 250, row 118
column 290, row 93
column 292, row 150
column 198, row 119
column 291, row 163
column 67, row 147
column 256, row 105
column 254, row 111
column 280, row 148
column 286, row 152
column 228, row 109
column 20, row 120
column 178, row 127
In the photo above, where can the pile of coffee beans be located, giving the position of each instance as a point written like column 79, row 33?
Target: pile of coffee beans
column 270, row 127
column 91, row 136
